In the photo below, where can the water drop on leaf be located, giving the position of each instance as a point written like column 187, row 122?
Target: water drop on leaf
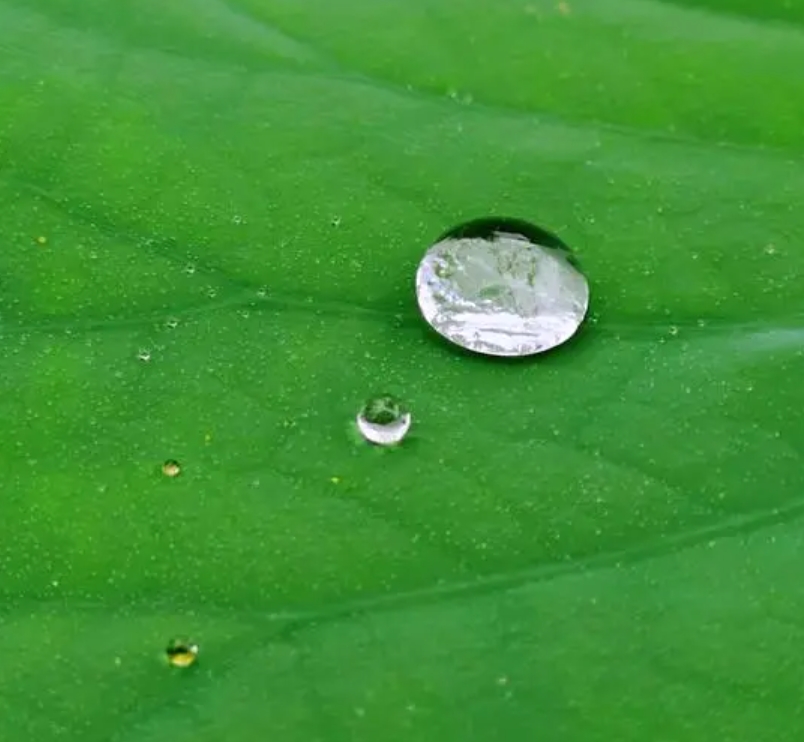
column 171, row 468
column 502, row 287
column 383, row 420
column 181, row 653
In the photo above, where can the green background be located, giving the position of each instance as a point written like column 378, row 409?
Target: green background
column 600, row 544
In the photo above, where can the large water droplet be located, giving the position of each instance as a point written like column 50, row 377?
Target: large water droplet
column 502, row 287
column 383, row 420
column 181, row 653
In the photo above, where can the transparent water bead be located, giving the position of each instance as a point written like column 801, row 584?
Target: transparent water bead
column 502, row 287
column 383, row 420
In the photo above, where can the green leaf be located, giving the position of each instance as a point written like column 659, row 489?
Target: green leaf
column 212, row 214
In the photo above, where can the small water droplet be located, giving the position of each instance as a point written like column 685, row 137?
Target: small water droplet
column 189, row 269
column 171, row 323
column 41, row 240
column 181, row 653
column 144, row 355
column 212, row 292
column 171, row 468
column 502, row 287
column 237, row 219
column 383, row 420
column 770, row 249
column 673, row 330
column 336, row 221
column 262, row 292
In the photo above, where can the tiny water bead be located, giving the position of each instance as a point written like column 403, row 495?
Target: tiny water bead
column 383, row 420
column 171, row 468
column 502, row 287
column 181, row 653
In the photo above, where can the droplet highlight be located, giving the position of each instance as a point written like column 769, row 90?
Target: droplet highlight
column 502, row 287
column 384, row 420
column 181, row 653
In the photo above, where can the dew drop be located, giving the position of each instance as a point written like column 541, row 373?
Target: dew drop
column 383, row 420
column 502, row 287
column 189, row 269
column 171, row 468
column 181, row 653
column 171, row 323
column 144, row 355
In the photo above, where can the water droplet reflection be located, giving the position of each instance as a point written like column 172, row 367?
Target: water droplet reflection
column 383, row 420
column 502, row 287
